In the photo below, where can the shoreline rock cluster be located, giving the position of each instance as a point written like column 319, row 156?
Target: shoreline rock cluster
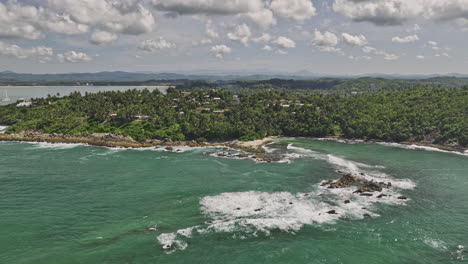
column 364, row 187
column 117, row 140
column 259, row 157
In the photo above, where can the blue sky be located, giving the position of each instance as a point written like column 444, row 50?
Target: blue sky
column 329, row 37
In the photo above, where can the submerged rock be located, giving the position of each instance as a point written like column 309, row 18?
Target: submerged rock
column 332, row 212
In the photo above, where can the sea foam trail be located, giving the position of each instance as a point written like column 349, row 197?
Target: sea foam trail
column 426, row 148
column 45, row 145
column 254, row 212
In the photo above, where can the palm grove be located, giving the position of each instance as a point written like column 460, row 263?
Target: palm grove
column 427, row 114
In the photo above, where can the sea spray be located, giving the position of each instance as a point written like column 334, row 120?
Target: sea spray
column 252, row 212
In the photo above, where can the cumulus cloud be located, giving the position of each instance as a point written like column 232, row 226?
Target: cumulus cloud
column 151, row 45
column 24, row 53
column 385, row 55
column 379, row 12
column 72, row 17
column 220, row 50
column 397, row 12
column 420, row 57
column 210, row 30
column 267, row 48
column 264, row 38
column 29, row 22
column 407, row 39
column 284, row 43
column 102, row 37
column 298, row 10
column 354, row 40
column 208, row 7
column 326, row 42
column 262, row 18
column 126, row 17
column 240, row 33
column 73, row 57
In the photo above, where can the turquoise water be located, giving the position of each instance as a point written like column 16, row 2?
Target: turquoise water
column 81, row 204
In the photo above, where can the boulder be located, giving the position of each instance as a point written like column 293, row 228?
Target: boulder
column 331, row 212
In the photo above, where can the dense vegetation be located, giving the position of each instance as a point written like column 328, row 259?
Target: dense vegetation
column 327, row 85
column 418, row 114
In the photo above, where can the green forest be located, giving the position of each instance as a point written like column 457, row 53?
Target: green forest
column 422, row 113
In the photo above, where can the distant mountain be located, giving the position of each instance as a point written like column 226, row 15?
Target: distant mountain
column 120, row 76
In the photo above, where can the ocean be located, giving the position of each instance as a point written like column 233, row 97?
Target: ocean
column 28, row 92
column 65, row 203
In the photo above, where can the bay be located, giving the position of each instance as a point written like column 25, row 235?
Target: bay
column 64, row 203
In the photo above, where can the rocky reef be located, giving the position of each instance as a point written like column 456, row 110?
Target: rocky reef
column 364, row 187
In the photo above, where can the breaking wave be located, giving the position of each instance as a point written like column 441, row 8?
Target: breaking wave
column 254, row 212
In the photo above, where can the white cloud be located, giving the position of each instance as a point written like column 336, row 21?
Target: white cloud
column 24, row 53
column 354, row 40
column 407, row 39
column 390, row 57
column 263, row 18
column 208, row 7
column 284, row 43
column 29, row 22
column 240, row 33
column 325, row 41
column 298, row 10
column 268, row 48
column 396, row 12
column 102, row 37
column 420, row 57
column 210, row 30
column 220, row 50
column 264, row 38
column 126, row 17
column 432, row 43
column 73, row 57
column 151, row 45
column 359, row 58
column 379, row 12
column 385, row 55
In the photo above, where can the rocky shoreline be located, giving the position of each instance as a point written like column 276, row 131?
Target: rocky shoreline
column 117, row 140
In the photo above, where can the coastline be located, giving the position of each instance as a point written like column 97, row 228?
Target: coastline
column 115, row 140
column 422, row 144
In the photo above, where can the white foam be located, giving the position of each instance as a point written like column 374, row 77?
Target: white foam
column 252, row 212
column 170, row 242
column 370, row 173
column 435, row 243
column 46, row 145
column 426, row 148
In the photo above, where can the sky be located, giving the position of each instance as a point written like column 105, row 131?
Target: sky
column 340, row 37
